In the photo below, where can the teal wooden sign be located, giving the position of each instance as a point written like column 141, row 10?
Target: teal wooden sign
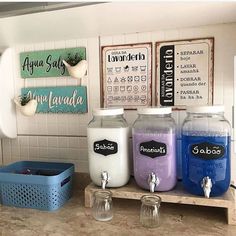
column 71, row 99
column 49, row 63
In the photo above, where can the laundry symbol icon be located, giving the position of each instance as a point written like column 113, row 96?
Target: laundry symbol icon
column 109, row 88
column 116, row 88
column 109, row 80
column 143, row 98
column 143, row 87
column 122, row 88
column 116, row 98
column 126, row 68
column 134, row 68
column 122, row 79
column 116, row 80
column 129, row 88
column 135, row 88
column 136, row 98
column 143, row 68
column 109, row 70
column 130, row 98
column 136, row 78
column 143, row 78
column 130, row 78
column 118, row 69
column 123, row 98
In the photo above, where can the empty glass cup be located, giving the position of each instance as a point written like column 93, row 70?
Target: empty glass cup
column 102, row 205
column 149, row 212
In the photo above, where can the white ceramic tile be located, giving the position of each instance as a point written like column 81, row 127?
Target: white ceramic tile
column 33, row 152
column 118, row 39
column 24, row 141
column 82, row 167
column 43, row 141
column 53, row 129
column 83, row 154
column 43, row 152
column 73, row 154
column 33, row 141
column 83, row 142
column 63, row 142
column 6, row 150
column 53, row 153
column 73, row 142
column 53, row 142
column 131, row 38
column 15, row 151
column 64, row 154
column 24, row 153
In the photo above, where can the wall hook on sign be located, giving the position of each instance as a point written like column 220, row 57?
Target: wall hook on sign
column 25, row 105
column 77, row 71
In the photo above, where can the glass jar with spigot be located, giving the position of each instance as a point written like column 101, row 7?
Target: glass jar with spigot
column 206, row 151
column 108, row 142
column 154, row 149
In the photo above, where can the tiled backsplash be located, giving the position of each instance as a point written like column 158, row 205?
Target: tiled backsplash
column 62, row 137
column 44, row 148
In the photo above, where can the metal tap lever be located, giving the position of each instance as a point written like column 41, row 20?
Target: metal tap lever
column 206, row 185
column 153, row 181
column 104, row 179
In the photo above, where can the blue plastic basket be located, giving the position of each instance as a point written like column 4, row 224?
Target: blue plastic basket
column 39, row 185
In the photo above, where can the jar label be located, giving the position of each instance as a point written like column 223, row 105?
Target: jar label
column 207, row 150
column 153, row 149
column 105, row 147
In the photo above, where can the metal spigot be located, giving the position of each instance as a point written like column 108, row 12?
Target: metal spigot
column 104, row 179
column 153, row 181
column 206, row 185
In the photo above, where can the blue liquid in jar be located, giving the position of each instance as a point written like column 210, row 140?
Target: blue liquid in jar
column 196, row 167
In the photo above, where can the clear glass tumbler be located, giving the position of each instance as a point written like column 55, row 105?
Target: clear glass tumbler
column 102, row 205
column 149, row 212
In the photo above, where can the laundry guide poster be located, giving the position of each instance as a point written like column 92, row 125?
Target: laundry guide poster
column 127, row 76
column 184, row 72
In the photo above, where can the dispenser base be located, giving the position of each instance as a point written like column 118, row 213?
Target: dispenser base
column 177, row 195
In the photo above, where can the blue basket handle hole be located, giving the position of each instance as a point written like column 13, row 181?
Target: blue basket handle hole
column 65, row 181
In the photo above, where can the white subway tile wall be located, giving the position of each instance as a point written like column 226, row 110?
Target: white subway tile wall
column 62, row 137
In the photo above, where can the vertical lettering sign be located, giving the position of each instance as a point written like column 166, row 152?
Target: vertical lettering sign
column 48, row 63
column 127, row 75
column 185, row 72
column 71, row 99
column 167, row 72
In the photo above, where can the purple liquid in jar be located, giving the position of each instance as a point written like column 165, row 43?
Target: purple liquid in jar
column 161, row 161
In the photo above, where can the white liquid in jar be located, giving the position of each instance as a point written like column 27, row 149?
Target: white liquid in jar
column 116, row 163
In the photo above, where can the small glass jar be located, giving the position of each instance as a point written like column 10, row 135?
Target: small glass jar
column 206, row 151
column 102, row 205
column 154, row 149
column 108, row 147
column 149, row 212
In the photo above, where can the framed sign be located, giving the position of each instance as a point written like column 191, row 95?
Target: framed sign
column 127, row 75
column 71, row 99
column 49, row 63
column 184, row 72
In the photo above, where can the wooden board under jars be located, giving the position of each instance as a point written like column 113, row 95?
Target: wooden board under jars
column 177, row 195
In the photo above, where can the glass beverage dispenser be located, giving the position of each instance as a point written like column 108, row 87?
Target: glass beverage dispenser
column 108, row 148
column 206, row 151
column 154, row 149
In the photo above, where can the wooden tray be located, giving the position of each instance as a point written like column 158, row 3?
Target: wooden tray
column 177, row 195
